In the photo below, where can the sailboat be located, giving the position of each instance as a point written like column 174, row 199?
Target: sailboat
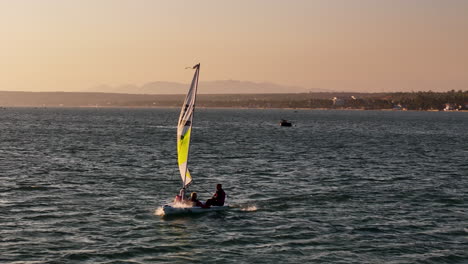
column 184, row 132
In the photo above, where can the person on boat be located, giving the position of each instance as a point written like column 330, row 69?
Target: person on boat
column 194, row 201
column 180, row 198
column 218, row 198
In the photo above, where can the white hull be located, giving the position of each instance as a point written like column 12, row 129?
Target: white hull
column 170, row 210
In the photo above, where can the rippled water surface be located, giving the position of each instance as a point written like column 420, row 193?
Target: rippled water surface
column 82, row 186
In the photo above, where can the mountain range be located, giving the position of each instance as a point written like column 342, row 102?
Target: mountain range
column 209, row 87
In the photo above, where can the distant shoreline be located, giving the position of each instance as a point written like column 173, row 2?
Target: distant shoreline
column 417, row 101
column 214, row 107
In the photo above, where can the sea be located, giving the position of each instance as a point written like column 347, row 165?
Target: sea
column 83, row 185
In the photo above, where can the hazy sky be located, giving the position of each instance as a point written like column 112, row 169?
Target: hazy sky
column 364, row 45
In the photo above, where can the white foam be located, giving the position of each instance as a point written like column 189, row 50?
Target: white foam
column 182, row 205
column 159, row 211
column 250, row 208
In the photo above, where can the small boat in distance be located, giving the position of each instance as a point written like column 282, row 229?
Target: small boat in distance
column 184, row 131
column 285, row 123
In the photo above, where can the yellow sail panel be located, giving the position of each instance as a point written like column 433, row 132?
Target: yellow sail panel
column 183, row 143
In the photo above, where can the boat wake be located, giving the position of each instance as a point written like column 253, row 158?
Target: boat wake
column 249, row 208
column 245, row 207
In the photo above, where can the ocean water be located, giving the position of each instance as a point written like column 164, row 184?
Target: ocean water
column 83, row 185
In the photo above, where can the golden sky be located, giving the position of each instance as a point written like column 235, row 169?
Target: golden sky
column 360, row 45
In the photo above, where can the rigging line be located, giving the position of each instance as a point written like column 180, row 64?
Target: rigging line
column 203, row 189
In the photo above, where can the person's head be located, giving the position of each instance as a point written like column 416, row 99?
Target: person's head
column 219, row 186
column 193, row 196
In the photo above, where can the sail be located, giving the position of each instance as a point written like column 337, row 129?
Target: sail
column 184, row 129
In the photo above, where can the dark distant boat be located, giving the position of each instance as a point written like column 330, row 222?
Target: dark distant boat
column 285, row 123
column 184, row 129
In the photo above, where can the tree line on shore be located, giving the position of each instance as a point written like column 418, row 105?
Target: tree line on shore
column 451, row 100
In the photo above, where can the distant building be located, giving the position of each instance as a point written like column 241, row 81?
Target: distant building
column 399, row 107
column 451, row 107
column 341, row 101
column 338, row 101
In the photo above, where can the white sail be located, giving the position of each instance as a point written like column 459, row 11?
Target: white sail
column 184, row 129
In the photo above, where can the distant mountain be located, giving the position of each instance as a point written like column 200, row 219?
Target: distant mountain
column 211, row 87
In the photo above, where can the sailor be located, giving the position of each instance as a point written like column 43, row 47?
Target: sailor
column 180, row 197
column 194, row 201
column 218, row 198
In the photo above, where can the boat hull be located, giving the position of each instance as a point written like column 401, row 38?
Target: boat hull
column 285, row 123
column 170, row 210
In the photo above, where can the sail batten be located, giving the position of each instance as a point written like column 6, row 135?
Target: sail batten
column 184, row 129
